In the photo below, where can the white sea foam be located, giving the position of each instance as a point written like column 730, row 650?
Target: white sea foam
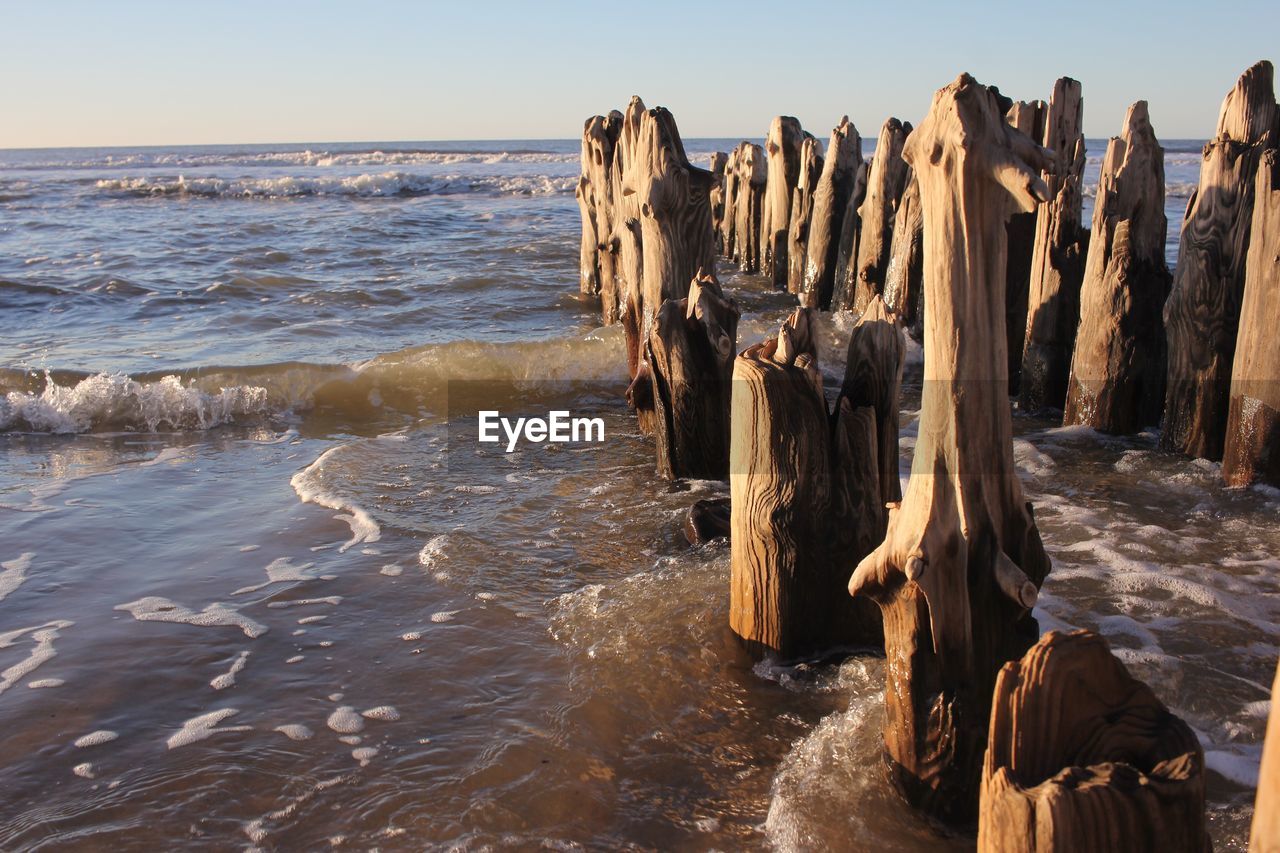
column 444, row 616
column 382, row 712
column 257, row 829
column 309, row 484
column 15, row 572
column 41, row 683
column 364, row 754
column 97, row 738
column 42, row 652
column 281, row 570
column 228, row 678
column 333, row 600
column 84, row 771
column 114, row 400
column 345, row 720
column 372, row 185
column 294, row 731
column 432, row 551
column 204, row 726
column 156, row 609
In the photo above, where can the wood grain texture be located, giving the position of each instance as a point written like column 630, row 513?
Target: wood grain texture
column 1264, row 834
column 690, row 357
column 961, row 560
column 1252, row 447
column 717, row 166
column 845, row 284
column 594, row 193
column 748, row 202
column 830, row 199
column 1082, row 756
column 1118, row 366
column 805, row 502
column 1057, row 257
column 811, row 166
column 873, row 380
column 886, row 180
column 904, row 277
column 1027, row 117
column 782, row 150
column 1202, row 315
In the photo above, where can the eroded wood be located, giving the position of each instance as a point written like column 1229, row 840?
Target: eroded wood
column 830, row 200
column 886, row 180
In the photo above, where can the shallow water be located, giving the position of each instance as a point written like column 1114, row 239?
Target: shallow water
column 311, row 609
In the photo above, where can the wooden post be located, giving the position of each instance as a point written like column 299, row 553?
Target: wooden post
column 1118, row 368
column 719, row 160
column 1264, row 834
column 782, row 147
column 885, row 182
column 958, row 570
column 724, row 238
column 904, row 277
column 1028, row 118
column 873, row 379
column 845, row 284
column 835, row 185
column 1202, row 315
column 598, row 255
column 811, row 167
column 627, row 231
column 1252, row 449
column 1082, row 756
column 690, row 356
column 749, row 197
column 805, row 497
column 1057, row 258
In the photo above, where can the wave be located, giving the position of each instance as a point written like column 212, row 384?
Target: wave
column 304, row 157
column 435, row 379
column 384, row 185
column 1172, row 189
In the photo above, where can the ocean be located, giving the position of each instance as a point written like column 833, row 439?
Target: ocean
column 260, row 586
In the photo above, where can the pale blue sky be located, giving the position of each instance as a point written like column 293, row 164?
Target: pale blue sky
column 163, row 73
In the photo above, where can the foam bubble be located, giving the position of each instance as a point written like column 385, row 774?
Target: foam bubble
column 15, row 572
column 42, row 636
column 333, row 600
column 382, row 712
column 294, row 731
column 432, row 551
column 308, row 484
column 391, row 570
column 281, row 570
column 345, row 720
column 156, row 609
column 204, row 726
column 444, row 615
column 228, row 678
column 40, row 683
column 97, row 738
column 84, row 771
column 364, row 754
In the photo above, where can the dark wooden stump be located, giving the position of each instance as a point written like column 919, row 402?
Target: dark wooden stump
column 835, row 186
column 886, row 180
column 904, row 277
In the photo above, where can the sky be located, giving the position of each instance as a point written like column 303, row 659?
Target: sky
column 131, row 73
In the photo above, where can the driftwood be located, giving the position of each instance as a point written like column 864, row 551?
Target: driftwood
column 1264, row 835
column 959, row 568
column 845, row 284
column 708, row 520
column 1118, row 369
column 886, row 179
column 630, row 257
column 1252, row 448
column 1057, row 258
column 596, row 203
column 1028, row 118
column 748, row 203
column 904, row 277
column 719, row 161
column 1082, row 756
column 811, row 167
column 873, row 379
column 1203, row 311
column 690, row 358
column 830, row 199
column 805, row 495
column 782, row 148
column 724, row 236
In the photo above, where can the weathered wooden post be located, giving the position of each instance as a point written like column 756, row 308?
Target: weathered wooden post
column 690, row 357
column 959, row 568
column 835, row 185
column 1202, row 315
column 597, row 260
column 845, row 285
column 724, row 238
column 886, row 179
column 1252, row 449
column 1118, row 369
column 1028, row 118
column 719, row 161
column 1057, row 258
column 904, row 277
column 782, row 148
column 806, row 500
column 811, row 166
column 749, row 198
column 1081, row 756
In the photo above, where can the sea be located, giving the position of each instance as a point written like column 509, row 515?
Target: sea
column 262, row 588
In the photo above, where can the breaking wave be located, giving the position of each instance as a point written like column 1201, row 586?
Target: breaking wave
column 383, row 185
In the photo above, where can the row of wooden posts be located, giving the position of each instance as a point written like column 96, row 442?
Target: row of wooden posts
column 966, row 231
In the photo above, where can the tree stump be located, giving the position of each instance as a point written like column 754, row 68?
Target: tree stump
column 885, row 182
column 1202, row 315
column 873, row 379
column 782, row 148
column 596, row 203
column 707, row 521
column 1264, row 835
column 690, row 357
column 1252, row 448
column 1057, row 258
column 1028, row 118
column 627, row 233
column 845, row 285
column 805, row 499
column 830, row 199
column 1082, row 756
column 904, row 277
column 959, row 568
column 724, row 237
column 1118, row 370
column 811, row 167
column 748, row 201
column 719, row 160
